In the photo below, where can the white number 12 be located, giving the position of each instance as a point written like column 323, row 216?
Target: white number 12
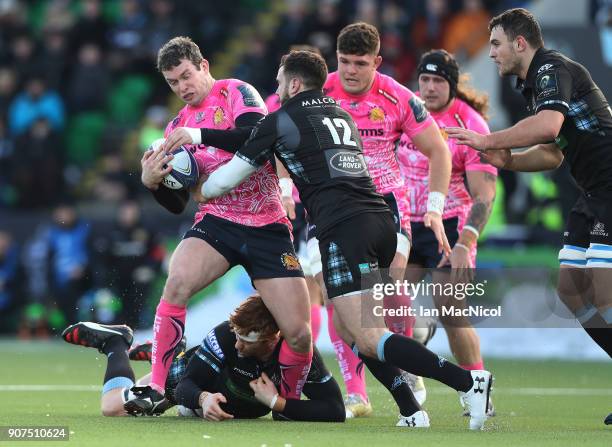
column 340, row 123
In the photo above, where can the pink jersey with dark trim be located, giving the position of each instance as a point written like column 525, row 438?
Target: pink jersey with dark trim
column 256, row 201
column 382, row 115
column 415, row 166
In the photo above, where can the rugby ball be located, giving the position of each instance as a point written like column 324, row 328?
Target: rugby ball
column 185, row 172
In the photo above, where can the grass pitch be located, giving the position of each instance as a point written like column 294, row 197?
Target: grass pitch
column 539, row 403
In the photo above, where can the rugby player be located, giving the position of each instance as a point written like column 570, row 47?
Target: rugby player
column 467, row 209
column 572, row 121
column 234, row 373
column 383, row 110
column 318, row 143
column 248, row 227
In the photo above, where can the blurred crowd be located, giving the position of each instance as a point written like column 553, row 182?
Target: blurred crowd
column 80, row 100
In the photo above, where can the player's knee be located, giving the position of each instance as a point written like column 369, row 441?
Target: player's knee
column 178, row 289
column 366, row 347
column 300, row 338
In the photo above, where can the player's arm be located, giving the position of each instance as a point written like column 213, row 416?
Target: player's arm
column 324, row 404
column 286, row 187
column 481, row 185
column 543, row 127
column 553, row 90
column 155, row 167
column 255, row 152
column 430, row 142
column 229, row 140
column 541, row 157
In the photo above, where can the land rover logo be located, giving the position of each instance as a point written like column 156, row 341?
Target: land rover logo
column 348, row 163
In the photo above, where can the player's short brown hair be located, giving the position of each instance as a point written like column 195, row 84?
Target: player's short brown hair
column 252, row 315
column 359, row 39
column 177, row 49
column 519, row 22
column 308, row 66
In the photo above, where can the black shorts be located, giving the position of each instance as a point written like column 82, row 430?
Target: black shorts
column 264, row 252
column 300, row 227
column 354, row 248
column 590, row 221
column 424, row 250
column 392, row 203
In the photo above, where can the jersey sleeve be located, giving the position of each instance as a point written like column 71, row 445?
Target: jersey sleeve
column 244, row 98
column 416, row 118
column 553, row 87
column 259, row 147
column 214, row 346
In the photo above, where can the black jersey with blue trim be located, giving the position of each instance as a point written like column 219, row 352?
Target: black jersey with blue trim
column 555, row 82
column 318, row 142
column 218, row 350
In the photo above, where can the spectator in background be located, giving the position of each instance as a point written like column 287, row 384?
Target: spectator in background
column 429, row 28
column 132, row 256
column 22, row 56
column 11, row 300
column 90, row 80
column 69, row 257
column 8, row 86
column 153, row 127
column 127, row 38
column 322, row 27
column 37, row 165
column 90, row 28
column 54, row 57
column 6, row 154
column 34, row 103
column 163, row 25
column 467, row 31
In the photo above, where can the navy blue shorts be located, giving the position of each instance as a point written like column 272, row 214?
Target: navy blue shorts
column 424, row 250
column 264, row 252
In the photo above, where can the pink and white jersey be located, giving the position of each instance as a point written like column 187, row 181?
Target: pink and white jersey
column 256, row 201
column 415, row 166
column 382, row 115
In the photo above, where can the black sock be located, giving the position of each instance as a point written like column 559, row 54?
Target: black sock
column 412, row 356
column 118, row 364
column 391, row 377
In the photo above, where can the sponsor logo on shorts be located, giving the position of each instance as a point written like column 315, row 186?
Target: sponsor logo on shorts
column 368, row 267
column 290, row 261
column 599, row 229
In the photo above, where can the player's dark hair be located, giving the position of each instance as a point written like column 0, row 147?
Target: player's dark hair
column 177, row 49
column 477, row 100
column 359, row 39
column 519, row 22
column 253, row 315
column 304, row 47
column 308, row 66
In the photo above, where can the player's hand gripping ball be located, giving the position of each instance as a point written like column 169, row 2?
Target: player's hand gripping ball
column 184, row 172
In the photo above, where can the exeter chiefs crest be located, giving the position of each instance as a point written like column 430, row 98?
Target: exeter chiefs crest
column 377, row 114
column 290, row 261
column 219, row 116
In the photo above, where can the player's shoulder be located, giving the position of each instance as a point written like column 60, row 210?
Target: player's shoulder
column 218, row 340
column 391, row 89
column 331, row 84
column 546, row 61
column 249, row 94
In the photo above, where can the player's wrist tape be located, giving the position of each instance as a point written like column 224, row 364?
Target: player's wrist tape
column 472, row 230
column 435, row 202
column 286, row 186
column 195, row 134
column 273, row 401
column 465, row 247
